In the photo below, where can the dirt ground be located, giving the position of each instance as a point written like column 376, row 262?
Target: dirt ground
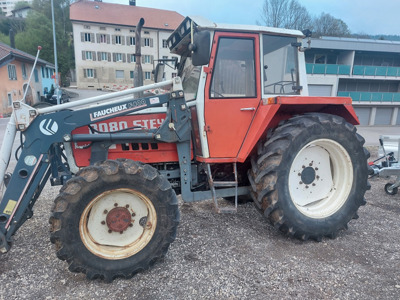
column 236, row 256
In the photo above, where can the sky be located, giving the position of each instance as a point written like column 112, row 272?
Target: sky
column 361, row 16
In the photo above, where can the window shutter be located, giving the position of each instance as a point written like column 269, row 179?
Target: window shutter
column 114, row 57
column 94, row 73
column 92, row 37
column 142, row 42
column 127, row 40
column 99, row 56
column 142, row 59
column 129, row 57
column 113, row 39
column 123, row 57
column 108, row 38
column 82, row 36
column 83, row 55
column 151, row 42
column 94, row 55
column 109, row 56
column 84, row 73
column 122, row 40
column 98, row 37
column 152, row 58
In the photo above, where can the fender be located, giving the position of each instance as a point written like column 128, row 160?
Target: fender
column 273, row 110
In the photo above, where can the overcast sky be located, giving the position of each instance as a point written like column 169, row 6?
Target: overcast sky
column 362, row 16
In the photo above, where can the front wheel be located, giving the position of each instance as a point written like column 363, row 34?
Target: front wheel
column 310, row 176
column 114, row 219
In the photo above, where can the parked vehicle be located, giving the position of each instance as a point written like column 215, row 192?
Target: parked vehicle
column 238, row 121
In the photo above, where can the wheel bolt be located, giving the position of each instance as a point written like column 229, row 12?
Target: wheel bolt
column 105, row 211
column 121, row 232
column 310, row 164
column 301, row 182
column 299, row 174
column 317, row 177
column 313, row 184
column 306, row 186
column 303, row 167
column 131, row 225
column 316, row 169
column 127, row 206
column 109, row 231
column 103, row 222
column 115, row 204
column 133, row 214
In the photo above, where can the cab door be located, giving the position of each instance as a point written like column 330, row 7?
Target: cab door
column 232, row 92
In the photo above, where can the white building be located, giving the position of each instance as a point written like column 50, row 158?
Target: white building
column 366, row 70
column 7, row 6
column 104, row 42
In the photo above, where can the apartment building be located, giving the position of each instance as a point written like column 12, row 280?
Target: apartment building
column 368, row 71
column 7, row 6
column 104, row 42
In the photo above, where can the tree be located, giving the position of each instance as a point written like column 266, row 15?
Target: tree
column 327, row 25
column 285, row 14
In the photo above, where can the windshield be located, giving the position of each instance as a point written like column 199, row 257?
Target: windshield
column 190, row 76
column 280, row 65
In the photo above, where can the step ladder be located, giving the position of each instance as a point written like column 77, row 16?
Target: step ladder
column 213, row 184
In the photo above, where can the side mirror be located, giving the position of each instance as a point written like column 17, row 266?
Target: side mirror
column 159, row 72
column 200, row 48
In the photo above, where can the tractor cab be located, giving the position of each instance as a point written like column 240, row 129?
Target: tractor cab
column 227, row 70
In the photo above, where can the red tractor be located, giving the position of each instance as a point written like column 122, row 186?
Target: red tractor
column 236, row 123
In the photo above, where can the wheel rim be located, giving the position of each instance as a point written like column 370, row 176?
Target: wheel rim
column 118, row 223
column 320, row 178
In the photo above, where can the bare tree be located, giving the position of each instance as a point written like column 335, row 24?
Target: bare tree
column 328, row 25
column 285, row 14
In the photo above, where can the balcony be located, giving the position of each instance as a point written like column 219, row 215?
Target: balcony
column 371, row 96
column 328, row 69
column 376, row 71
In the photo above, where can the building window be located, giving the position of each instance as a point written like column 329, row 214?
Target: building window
column 147, row 59
column 87, row 37
column 35, row 73
column 12, row 72
column 117, row 29
column 146, row 32
column 132, row 30
column 165, row 57
column 9, row 97
column 132, row 58
column 118, row 40
column 89, row 73
column 132, row 41
column 119, row 74
column 103, row 56
column 147, row 42
column 118, row 56
column 164, row 44
column 42, row 72
column 174, row 75
column 102, row 28
column 103, row 38
column 88, row 55
column 86, row 26
column 147, row 75
column 23, row 69
column 131, row 74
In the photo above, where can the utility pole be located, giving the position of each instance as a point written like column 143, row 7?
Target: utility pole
column 55, row 53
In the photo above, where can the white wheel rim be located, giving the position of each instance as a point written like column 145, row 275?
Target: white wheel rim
column 97, row 226
column 320, row 178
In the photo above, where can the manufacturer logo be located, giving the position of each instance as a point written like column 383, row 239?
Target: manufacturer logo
column 48, row 127
column 115, row 110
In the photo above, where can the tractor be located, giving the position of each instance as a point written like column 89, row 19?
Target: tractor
column 236, row 123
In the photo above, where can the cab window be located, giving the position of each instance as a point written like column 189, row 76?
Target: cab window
column 234, row 69
column 280, row 65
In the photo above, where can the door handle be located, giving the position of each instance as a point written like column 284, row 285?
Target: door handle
column 247, row 109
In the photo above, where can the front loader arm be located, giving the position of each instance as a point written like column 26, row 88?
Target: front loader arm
column 44, row 135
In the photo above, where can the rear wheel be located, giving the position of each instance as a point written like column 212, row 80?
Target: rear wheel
column 310, row 177
column 114, row 219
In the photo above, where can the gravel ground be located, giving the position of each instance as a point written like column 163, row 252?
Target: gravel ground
column 236, row 256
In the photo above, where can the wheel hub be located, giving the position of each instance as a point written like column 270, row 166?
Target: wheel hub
column 118, row 219
column 308, row 175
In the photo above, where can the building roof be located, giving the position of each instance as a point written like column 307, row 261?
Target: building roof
column 125, row 15
column 7, row 53
column 341, row 43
